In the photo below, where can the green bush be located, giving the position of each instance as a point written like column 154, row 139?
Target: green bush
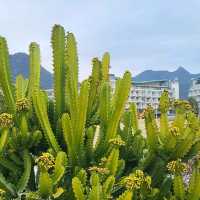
column 86, row 144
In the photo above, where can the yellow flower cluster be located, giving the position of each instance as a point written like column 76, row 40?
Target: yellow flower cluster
column 23, row 105
column 182, row 104
column 137, row 180
column 100, row 170
column 177, row 166
column 46, row 161
column 117, row 141
column 174, row 130
column 6, row 120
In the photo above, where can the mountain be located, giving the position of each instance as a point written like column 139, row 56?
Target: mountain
column 20, row 65
column 181, row 73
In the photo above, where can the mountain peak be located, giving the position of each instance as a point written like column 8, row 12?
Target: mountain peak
column 20, row 65
column 182, row 70
column 181, row 73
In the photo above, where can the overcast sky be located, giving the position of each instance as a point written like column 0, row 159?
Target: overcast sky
column 139, row 34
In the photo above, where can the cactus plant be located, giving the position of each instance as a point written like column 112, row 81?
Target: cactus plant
column 92, row 147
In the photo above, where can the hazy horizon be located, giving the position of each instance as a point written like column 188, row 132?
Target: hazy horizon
column 139, row 34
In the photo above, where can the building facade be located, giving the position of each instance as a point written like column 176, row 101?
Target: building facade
column 145, row 93
column 149, row 92
column 194, row 91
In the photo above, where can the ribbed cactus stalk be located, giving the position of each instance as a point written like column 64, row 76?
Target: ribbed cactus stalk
column 95, row 83
column 34, row 67
column 5, row 73
column 117, row 109
column 58, row 47
column 6, row 122
column 164, row 108
column 21, row 87
column 71, row 63
column 151, row 127
column 74, row 134
column 40, row 106
column 105, row 66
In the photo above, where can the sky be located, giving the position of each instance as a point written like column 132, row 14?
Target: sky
column 139, row 34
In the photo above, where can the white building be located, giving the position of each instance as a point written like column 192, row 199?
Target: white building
column 149, row 92
column 195, row 90
column 145, row 93
column 50, row 93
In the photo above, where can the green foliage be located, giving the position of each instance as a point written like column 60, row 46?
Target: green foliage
column 92, row 147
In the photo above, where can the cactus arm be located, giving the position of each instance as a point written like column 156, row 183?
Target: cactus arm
column 104, row 104
column 68, row 137
column 108, row 185
column 41, row 112
column 105, row 66
column 133, row 110
column 95, row 80
column 120, row 167
column 34, row 65
column 5, row 74
column 112, row 162
column 4, row 139
column 96, row 191
column 151, row 127
column 185, row 145
column 60, row 164
column 58, row 46
column 120, row 102
column 58, row 174
column 82, row 176
column 179, row 189
column 194, row 186
column 164, row 107
column 116, row 92
column 82, row 112
column 45, row 185
column 78, row 189
column 21, row 87
column 127, row 195
column 89, row 143
column 71, row 63
column 27, row 172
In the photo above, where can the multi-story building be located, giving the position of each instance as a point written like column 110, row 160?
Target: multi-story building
column 149, row 92
column 195, row 90
column 146, row 92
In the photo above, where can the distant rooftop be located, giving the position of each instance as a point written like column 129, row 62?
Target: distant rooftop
column 197, row 78
column 161, row 81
